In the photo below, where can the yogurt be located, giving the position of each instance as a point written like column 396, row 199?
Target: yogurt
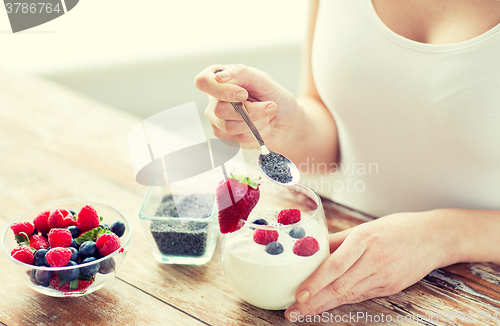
column 271, row 281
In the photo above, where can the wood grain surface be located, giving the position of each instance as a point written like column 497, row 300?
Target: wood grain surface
column 57, row 144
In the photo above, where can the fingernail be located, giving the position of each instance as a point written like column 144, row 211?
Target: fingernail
column 302, row 296
column 293, row 315
column 241, row 96
column 223, row 75
column 271, row 109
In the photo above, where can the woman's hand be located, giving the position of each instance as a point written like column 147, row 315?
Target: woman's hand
column 376, row 259
column 274, row 110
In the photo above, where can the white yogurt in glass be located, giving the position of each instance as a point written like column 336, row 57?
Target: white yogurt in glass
column 271, row 281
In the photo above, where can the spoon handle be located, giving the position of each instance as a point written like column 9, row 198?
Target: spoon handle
column 240, row 108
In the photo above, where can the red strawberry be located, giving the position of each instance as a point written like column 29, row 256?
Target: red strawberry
column 58, row 257
column 26, row 227
column 87, row 218
column 289, row 216
column 107, row 243
column 38, row 242
column 82, row 285
column 60, row 238
column 42, row 222
column 236, row 197
column 60, row 218
column 306, row 246
column 23, row 254
column 264, row 237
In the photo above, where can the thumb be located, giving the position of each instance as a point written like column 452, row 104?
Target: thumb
column 258, row 83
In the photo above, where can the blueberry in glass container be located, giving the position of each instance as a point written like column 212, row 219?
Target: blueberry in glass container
column 89, row 270
column 70, row 274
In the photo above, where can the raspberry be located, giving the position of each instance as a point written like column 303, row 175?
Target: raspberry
column 26, row 227
column 289, row 216
column 306, row 246
column 23, row 254
column 58, row 257
column 107, row 243
column 60, row 218
column 60, row 238
column 87, row 218
column 42, row 222
column 264, row 237
column 82, row 285
column 38, row 242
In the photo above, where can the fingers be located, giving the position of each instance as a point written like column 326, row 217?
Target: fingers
column 336, row 239
column 244, row 138
column 356, row 295
column 234, row 83
column 256, row 110
column 335, row 266
column 206, row 81
column 344, row 288
column 361, row 291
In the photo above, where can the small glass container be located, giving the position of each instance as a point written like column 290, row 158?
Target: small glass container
column 181, row 228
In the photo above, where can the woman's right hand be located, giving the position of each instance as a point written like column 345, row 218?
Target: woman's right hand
column 273, row 109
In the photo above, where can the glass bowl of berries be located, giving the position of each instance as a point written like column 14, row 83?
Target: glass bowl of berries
column 69, row 247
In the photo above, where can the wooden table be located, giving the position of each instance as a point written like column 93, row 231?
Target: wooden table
column 57, row 144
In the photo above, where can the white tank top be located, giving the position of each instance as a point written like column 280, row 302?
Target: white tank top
column 418, row 124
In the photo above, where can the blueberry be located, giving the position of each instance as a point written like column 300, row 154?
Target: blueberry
column 35, row 281
column 45, row 261
column 74, row 254
column 259, row 222
column 43, row 276
column 70, row 274
column 297, row 232
column 75, row 231
column 74, row 244
column 72, row 212
column 90, row 270
column 118, row 228
column 40, row 257
column 33, row 278
column 104, row 226
column 274, row 248
column 88, row 249
column 107, row 266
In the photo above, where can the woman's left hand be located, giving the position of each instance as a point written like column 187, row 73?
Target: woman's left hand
column 376, row 259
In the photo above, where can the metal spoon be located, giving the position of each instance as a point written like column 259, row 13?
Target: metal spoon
column 282, row 161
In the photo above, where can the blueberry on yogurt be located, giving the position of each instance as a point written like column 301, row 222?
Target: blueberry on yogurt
column 297, row 232
column 274, row 248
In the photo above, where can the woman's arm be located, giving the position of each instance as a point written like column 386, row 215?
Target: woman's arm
column 319, row 128
column 387, row 255
column 299, row 128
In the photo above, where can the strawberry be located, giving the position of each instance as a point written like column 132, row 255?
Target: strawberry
column 236, row 197
column 76, row 285
column 60, row 218
column 289, row 216
column 42, row 222
column 306, row 246
column 87, row 218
